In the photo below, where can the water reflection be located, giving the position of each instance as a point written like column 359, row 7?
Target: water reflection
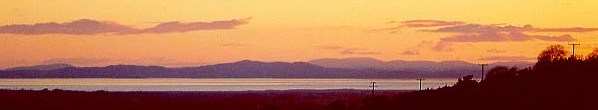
column 217, row 84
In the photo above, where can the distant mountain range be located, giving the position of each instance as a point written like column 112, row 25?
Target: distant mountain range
column 320, row 68
column 42, row 67
column 419, row 66
column 423, row 68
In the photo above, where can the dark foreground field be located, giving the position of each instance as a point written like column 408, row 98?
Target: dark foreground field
column 246, row 100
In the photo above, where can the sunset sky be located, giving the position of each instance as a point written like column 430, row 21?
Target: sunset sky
column 199, row 32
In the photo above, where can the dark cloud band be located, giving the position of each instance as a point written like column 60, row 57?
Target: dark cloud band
column 471, row 32
column 91, row 27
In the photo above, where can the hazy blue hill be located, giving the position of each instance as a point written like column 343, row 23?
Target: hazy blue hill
column 248, row 68
column 241, row 69
column 257, row 69
column 361, row 63
column 43, row 67
column 351, row 63
column 426, row 68
column 323, row 68
column 112, row 71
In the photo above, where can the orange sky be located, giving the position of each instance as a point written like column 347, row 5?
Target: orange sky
column 292, row 30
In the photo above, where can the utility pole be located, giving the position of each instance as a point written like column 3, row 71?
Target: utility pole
column 574, row 44
column 420, row 83
column 373, row 87
column 482, row 75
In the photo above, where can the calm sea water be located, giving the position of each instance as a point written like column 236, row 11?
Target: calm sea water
column 217, row 84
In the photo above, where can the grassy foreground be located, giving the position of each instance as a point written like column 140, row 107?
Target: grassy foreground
column 233, row 100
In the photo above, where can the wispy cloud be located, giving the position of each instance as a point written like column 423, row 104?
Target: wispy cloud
column 461, row 32
column 496, row 33
column 233, row 45
column 176, row 26
column 496, row 51
column 78, row 27
column 329, row 47
column 77, row 61
column 348, row 50
column 91, row 27
column 429, row 23
column 573, row 29
column 410, row 52
column 417, row 24
column 357, row 51
column 416, row 50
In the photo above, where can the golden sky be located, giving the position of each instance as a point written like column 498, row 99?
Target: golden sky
column 197, row 32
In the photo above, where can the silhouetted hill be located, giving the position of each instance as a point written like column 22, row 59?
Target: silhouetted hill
column 322, row 68
column 241, row 69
